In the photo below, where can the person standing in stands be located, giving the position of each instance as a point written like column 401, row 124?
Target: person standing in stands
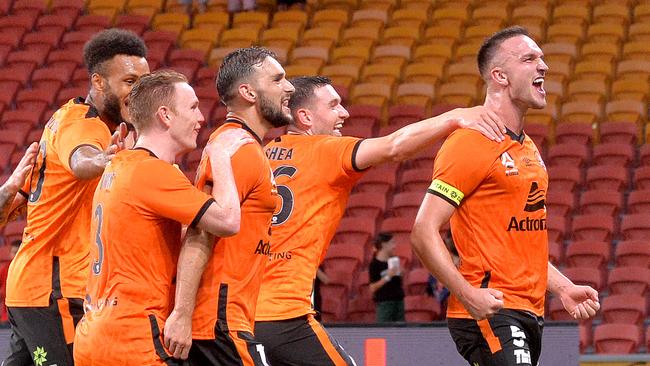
column 386, row 281
column 46, row 283
column 494, row 194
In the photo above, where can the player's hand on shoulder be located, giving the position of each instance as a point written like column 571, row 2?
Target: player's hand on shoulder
column 580, row 301
column 177, row 334
column 18, row 176
column 481, row 119
column 229, row 142
column 482, row 303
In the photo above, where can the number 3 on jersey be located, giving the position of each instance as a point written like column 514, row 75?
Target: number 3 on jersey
column 281, row 216
column 97, row 263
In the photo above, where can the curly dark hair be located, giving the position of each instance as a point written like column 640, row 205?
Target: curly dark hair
column 109, row 43
column 236, row 67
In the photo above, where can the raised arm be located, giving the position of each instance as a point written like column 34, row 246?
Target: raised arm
column 88, row 162
column 430, row 248
column 579, row 301
column 403, row 143
column 10, row 199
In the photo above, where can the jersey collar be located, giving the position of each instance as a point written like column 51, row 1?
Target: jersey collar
column 519, row 138
column 244, row 126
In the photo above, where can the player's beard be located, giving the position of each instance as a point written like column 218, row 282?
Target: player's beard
column 272, row 113
column 112, row 107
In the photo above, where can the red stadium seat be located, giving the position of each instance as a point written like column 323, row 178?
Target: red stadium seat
column 132, row 22
column 405, row 253
column 14, row 231
column 362, row 131
column 366, row 204
column 425, row 158
column 417, row 281
column 539, row 134
column 361, row 283
column 624, row 309
column 92, row 23
column 569, row 154
column 344, row 257
column 50, row 78
column 52, row 22
column 21, row 116
column 601, row 201
column 379, row 179
column 607, row 177
column 421, row 309
column 564, row 178
column 620, row 154
column 65, row 59
column 574, row 132
column 555, row 253
column 205, row 76
column 596, row 227
column 616, row 338
column 338, row 286
column 629, row 280
column 556, row 310
column 586, row 335
column 35, row 99
column 642, row 178
column 66, row 94
column 556, row 227
column 400, row 114
column 193, row 158
column 585, row 253
column 400, row 227
column 67, row 8
column 616, row 132
column 636, row 227
column 407, row 204
column 361, row 310
column 355, row 230
column 639, row 202
column 364, row 115
column 416, row 180
column 584, row 276
column 559, row 203
column 632, row 253
column 333, row 310
column 75, row 40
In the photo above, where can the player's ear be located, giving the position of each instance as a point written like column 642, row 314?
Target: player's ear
column 247, row 93
column 97, row 82
column 305, row 118
column 499, row 76
column 162, row 116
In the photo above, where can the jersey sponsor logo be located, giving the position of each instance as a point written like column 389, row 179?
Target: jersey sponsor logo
column 279, row 153
column 263, row 248
column 535, row 199
column 280, row 255
column 447, row 190
column 526, row 224
column 509, row 163
column 522, row 355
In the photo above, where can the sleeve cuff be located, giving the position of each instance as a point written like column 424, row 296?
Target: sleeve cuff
column 201, row 212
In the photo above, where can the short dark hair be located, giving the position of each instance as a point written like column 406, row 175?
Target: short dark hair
column 305, row 87
column 490, row 46
column 149, row 93
column 382, row 238
column 236, row 67
column 109, row 43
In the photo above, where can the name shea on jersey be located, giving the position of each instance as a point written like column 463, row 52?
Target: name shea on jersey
column 264, row 248
column 279, row 153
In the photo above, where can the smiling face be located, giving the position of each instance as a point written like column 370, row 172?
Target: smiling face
column 523, row 64
column 328, row 115
column 121, row 72
column 274, row 91
column 186, row 117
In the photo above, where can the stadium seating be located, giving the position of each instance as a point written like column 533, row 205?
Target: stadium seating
column 616, row 338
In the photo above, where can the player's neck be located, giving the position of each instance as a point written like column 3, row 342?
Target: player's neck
column 162, row 149
column 510, row 113
column 251, row 119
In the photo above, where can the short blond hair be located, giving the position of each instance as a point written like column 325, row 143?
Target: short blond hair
column 149, row 93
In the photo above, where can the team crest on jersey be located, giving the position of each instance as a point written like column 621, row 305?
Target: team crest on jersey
column 509, row 163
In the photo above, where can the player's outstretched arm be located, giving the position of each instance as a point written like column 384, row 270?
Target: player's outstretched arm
column 194, row 256
column 222, row 219
column 88, row 162
column 408, row 140
column 10, row 200
column 579, row 301
column 430, row 248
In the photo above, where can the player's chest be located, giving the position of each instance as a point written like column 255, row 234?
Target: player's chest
column 520, row 168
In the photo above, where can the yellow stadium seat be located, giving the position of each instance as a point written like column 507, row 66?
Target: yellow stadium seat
column 424, row 72
column 170, row 22
column 639, row 32
column 478, row 33
column 217, row 54
column 554, row 91
column 460, row 94
column 581, row 111
column 545, row 116
column 387, row 74
column 402, row 36
column 630, row 89
column 239, row 37
column 467, row 51
column 108, row 8
column 360, row 36
column 285, row 38
column 451, row 14
column 421, row 94
column 490, row 15
column 375, row 94
column 251, row 20
column 148, row 8
column 530, row 13
column 638, row 50
column 570, row 14
column 293, row 71
column 558, row 71
column 433, row 53
column 312, row 56
column 383, row 5
column 565, row 32
column 626, row 111
column 392, row 54
column 344, row 75
column 347, row 5
column 370, row 18
column 593, row 70
column 212, row 20
column 464, row 72
column 321, row 37
column 335, row 18
column 351, row 55
column 564, row 52
column 281, row 54
column 612, row 13
column 633, row 69
column 405, row 17
column 446, row 35
column 290, row 19
column 606, row 32
column 605, row 52
column 642, row 12
column 587, row 90
column 199, row 39
column 424, row 6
